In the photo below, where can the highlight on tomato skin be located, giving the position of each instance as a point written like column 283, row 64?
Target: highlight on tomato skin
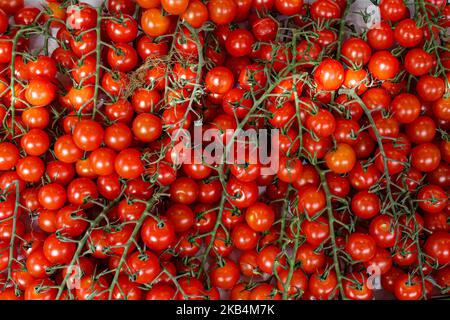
column 224, row 150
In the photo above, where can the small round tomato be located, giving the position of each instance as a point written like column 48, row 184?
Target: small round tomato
column 58, row 251
column 322, row 285
column 122, row 29
column 311, row 200
column 147, row 127
column 259, row 216
column 183, row 190
column 239, row 42
column 196, row 14
column 425, row 157
column 418, row 62
column 383, row 65
column 356, row 52
column 430, row 88
column 69, row 220
column 329, row 75
column 222, row 12
column 361, row 247
column 356, row 288
column 365, row 204
column 123, row 57
column 407, row 287
column 342, row 159
column 144, row 265
column 157, row 234
column 225, row 275
column 393, row 10
column 437, row 246
column 128, row 164
column 383, row 231
column 219, row 80
column 154, row 23
column 408, row 34
column 406, row 107
column 244, row 238
column 9, row 156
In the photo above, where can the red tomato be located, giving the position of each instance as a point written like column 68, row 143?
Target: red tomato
column 384, row 65
column 329, row 75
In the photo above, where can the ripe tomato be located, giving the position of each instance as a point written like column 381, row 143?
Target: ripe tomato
column 437, row 246
column 316, row 231
column 91, row 288
column 408, row 34
column 222, row 12
column 289, row 169
column 69, row 221
column 407, row 287
column 356, row 288
column 144, row 265
column 311, row 200
column 430, row 88
column 311, row 259
column 361, row 247
column 325, row 10
column 342, row 159
column 393, row 10
column 154, row 23
column 147, row 127
column 80, row 191
column 322, row 285
column 41, row 289
column 219, row 80
column 365, row 204
column 9, row 156
column 58, row 251
column 425, row 157
column 329, row 75
column 244, row 238
column 122, row 58
column 122, row 29
column 422, row 129
column 383, row 65
column 418, row 62
column 40, row 92
column 157, row 235
column 196, row 14
column 356, row 52
column 259, row 216
column 225, row 275
column 405, row 107
column 128, row 164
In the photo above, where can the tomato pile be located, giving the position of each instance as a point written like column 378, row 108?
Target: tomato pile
column 94, row 206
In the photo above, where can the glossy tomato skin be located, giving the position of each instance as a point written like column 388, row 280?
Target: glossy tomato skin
column 145, row 265
column 158, row 235
column 356, row 51
column 383, row 65
column 153, row 23
column 408, row 34
column 41, row 290
column 425, row 157
column 226, row 275
column 222, row 12
column 329, row 75
column 361, row 247
column 356, row 288
column 437, row 246
column 322, row 284
column 408, row 287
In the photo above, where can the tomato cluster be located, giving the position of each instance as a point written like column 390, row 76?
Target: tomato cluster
column 95, row 205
